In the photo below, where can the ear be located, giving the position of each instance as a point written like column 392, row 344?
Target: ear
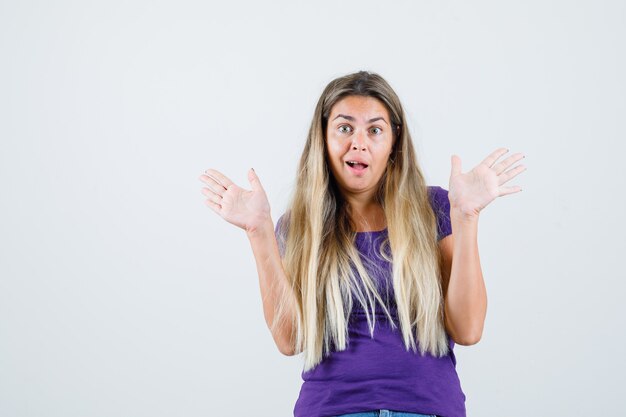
column 395, row 137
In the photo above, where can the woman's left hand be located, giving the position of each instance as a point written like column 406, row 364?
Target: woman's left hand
column 469, row 193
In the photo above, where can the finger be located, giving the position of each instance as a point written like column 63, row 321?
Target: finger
column 255, row 183
column 214, row 206
column 215, row 199
column 215, row 185
column 510, row 174
column 503, row 165
column 493, row 157
column 209, row 193
column 509, row 190
column 456, row 165
column 220, row 178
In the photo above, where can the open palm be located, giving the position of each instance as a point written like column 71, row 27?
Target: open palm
column 246, row 209
column 470, row 192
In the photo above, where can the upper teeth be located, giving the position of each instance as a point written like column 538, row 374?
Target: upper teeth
column 353, row 162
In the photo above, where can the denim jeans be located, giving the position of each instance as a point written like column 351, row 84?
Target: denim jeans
column 385, row 413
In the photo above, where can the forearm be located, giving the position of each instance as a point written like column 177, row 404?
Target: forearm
column 273, row 283
column 466, row 298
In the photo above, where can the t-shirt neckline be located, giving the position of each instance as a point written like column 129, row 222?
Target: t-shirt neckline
column 372, row 231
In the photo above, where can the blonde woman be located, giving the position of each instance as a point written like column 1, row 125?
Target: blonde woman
column 371, row 274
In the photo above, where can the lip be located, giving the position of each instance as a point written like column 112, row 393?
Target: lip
column 356, row 159
column 357, row 172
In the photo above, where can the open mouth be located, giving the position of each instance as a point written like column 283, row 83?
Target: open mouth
column 356, row 166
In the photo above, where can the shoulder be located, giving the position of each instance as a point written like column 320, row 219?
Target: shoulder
column 438, row 197
column 280, row 231
column 282, row 223
column 437, row 194
column 441, row 206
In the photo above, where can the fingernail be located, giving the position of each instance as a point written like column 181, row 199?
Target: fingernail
column 253, row 169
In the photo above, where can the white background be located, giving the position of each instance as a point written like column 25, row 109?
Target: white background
column 123, row 294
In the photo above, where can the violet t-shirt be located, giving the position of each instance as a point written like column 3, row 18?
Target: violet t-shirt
column 379, row 373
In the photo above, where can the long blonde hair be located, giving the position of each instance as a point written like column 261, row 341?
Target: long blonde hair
column 318, row 240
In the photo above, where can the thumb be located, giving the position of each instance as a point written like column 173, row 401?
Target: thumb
column 254, row 180
column 456, row 165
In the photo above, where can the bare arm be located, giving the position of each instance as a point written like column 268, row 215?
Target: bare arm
column 466, row 297
column 465, row 294
column 274, row 285
column 250, row 210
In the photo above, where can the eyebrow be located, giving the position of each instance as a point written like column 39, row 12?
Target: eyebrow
column 352, row 118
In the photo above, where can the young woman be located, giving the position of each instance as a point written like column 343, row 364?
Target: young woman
column 364, row 233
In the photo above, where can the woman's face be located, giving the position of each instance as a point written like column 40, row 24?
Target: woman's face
column 359, row 140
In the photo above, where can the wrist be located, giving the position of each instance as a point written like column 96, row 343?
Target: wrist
column 265, row 227
column 459, row 215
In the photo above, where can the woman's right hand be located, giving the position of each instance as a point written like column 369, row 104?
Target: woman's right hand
column 243, row 208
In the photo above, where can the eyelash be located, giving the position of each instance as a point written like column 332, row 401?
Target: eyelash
column 372, row 128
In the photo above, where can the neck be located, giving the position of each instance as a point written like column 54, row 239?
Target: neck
column 365, row 212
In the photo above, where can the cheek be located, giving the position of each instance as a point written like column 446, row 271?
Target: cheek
column 335, row 148
column 383, row 154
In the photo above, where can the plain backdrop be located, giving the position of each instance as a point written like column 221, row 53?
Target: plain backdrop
column 123, row 294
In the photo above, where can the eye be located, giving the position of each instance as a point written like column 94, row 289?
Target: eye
column 379, row 130
column 342, row 126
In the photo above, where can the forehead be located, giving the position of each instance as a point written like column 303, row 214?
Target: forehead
column 362, row 108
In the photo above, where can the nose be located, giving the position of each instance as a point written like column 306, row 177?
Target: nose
column 358, row 142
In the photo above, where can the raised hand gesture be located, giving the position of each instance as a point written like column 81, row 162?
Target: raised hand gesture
column 470, row 192
column 247, row 209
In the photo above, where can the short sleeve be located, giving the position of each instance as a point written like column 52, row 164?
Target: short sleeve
column 280, row 231
column 441, row 207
